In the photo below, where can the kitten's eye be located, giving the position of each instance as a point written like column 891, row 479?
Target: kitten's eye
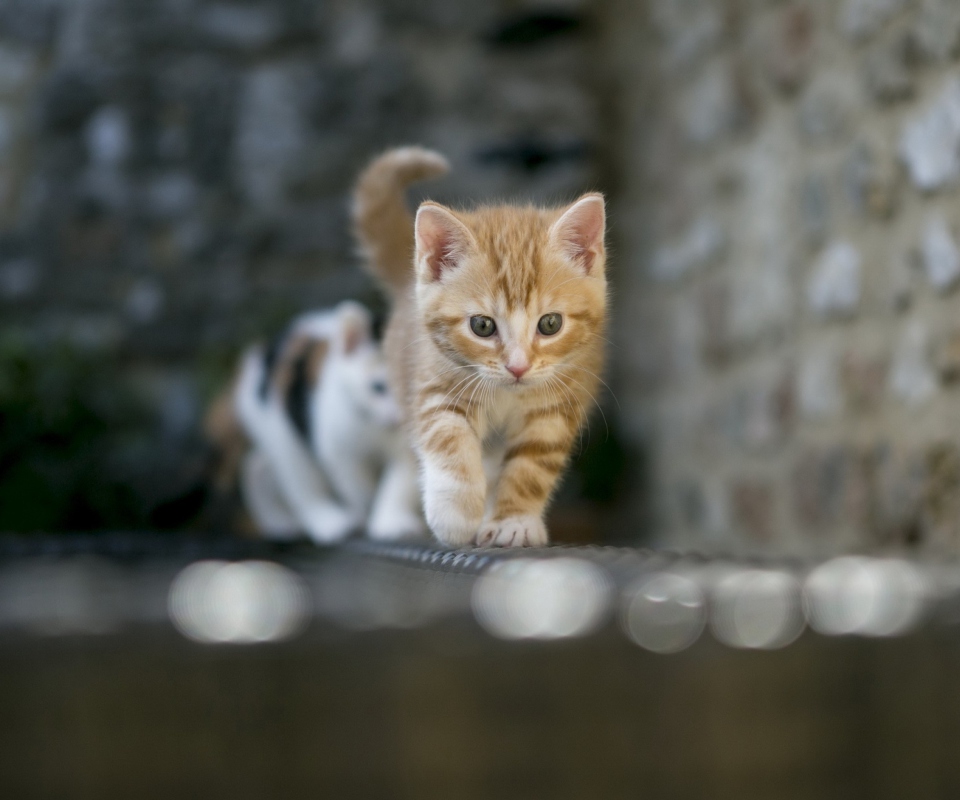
column 378, row 387
column 549, row 324
column 483, row 326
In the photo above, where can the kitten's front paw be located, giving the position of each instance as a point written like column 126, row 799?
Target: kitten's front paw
column 450, row 525
column 453, row 509
column 524, row 531
column 329, row 524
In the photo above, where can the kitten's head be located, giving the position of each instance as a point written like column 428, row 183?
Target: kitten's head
column 360, row 367
column 516, row 294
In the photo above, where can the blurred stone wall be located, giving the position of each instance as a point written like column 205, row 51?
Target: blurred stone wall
column 789, row 235
column 175, row 174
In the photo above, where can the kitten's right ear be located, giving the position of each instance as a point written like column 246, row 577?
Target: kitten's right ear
column 442, row 240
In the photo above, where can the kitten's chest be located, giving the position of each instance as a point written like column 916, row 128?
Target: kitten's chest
column 500, row 419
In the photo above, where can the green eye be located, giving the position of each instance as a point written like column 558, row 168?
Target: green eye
column 483, row 326
column 549, row 324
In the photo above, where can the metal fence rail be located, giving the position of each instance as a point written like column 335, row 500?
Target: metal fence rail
column 229, row 590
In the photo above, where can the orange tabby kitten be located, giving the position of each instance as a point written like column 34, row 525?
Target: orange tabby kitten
column 495, row 344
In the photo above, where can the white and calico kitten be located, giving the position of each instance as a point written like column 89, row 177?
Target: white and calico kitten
column 326, row 455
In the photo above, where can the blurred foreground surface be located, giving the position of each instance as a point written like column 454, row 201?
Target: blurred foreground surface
column 148, row 668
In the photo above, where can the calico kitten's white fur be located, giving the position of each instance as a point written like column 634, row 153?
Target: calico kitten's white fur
column 327, row 455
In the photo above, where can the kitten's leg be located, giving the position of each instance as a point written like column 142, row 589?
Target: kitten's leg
column 303, row 484
column 396, row 508
column 353, row 480
column 531, row 466
column 261, row 495
column 296, row 472
column 454, row 485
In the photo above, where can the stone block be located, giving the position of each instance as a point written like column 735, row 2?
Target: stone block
column 819, row 393
column 897, row 480
column 786, row 45
column 946, row 356
column 270, row 135
column 758, row 414
column 19, row 67
column 752, row 508
column 761, row 300
column 830, row 487
column 687, row 28
column 935, row 36
column 144, row 301
column 861, row 19
column 941, row 492
column 886, row 71
column 813, row 200
column 930, row 142
column 714, row 303
column 108, row 137
column 940, row 256
column 19, row 279
column 834, row 286
column 864, row 379
column 67, row 100
column 912, row 378
column 245, row 27
column 870, row 177
column 700, row 244
column 714, row 107
column 828, row 107
column 29, row 22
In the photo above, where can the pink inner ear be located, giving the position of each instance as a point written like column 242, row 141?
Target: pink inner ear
column 441, row 240
column 581, row 230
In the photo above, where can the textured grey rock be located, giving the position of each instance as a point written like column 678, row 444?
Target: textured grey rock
column 827, row 106
column 887, row 71
column 834, row 287
column 172, row 195
column 108, row 137
column 860, row 19
column 18, row 67
column 689, row 28
column 712, row 107
column 819, row 393
column 912, row 376
column 145, row 300
column 930, row 142
column 941, row 258
column 936, row 31
column 871, row 179
column 246, row 27
column 702, row 242
column 19, row 279
column 270, row 135
column 814, row 206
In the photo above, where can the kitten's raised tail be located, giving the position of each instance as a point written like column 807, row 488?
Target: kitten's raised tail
column 382, row 220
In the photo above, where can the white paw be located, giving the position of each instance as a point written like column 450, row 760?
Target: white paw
column 444, row 506
column 396, row 526
column 328, row 524
column 525, row 531
column 449, row 524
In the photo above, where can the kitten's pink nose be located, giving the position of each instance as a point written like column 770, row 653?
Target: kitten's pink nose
column 519, row 371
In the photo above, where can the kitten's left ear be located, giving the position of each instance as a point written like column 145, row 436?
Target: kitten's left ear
column 579, row 231
column 356, row 327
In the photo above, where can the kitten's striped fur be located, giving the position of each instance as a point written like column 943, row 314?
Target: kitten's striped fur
column 491, row 445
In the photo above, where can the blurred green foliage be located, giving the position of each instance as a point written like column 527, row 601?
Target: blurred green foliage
column 63, row 416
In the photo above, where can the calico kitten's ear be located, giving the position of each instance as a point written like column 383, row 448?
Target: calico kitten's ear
column 442, row 240
column 579, row 231
column 355, row 327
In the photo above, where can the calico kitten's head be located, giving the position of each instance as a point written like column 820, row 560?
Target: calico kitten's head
column 516, row 294
column 360, row 368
